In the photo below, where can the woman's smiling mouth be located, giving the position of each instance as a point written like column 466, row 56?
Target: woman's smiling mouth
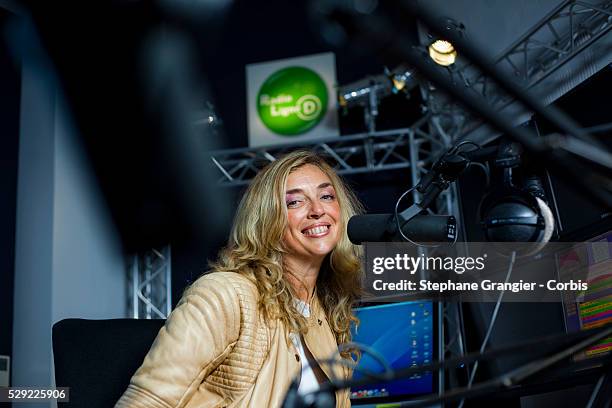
column 316, row 231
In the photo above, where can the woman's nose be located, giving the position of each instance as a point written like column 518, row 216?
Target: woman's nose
column 316, row 211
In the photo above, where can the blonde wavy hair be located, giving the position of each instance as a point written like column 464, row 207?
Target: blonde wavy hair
column 255, row 249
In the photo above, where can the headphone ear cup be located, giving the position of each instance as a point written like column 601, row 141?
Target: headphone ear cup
column 511, row 215
column 497, row 209
column 517, row 222
column 491, row 198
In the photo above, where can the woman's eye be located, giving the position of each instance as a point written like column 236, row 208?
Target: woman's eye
column 292, row 203
column 328, row 197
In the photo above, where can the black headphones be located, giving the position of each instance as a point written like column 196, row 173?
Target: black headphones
column 515, row 213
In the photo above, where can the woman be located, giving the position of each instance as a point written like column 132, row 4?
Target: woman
column 278, row 300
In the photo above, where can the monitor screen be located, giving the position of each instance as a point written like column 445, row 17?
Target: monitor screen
column 402, row 333
column 593, row 307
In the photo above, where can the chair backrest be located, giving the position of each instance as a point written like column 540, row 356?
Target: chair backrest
column 97, row 358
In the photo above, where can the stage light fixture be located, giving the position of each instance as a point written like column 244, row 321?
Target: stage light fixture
column 399, row 81
column 442, row 52
column 348, row 96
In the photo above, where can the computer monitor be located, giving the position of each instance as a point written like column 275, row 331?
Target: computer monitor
column 403, row 334
column 591, row 308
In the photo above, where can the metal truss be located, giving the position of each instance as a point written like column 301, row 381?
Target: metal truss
column 453, row 342
column 368, row 152
column 566, row 31
column 150, row 284
column 575, row 36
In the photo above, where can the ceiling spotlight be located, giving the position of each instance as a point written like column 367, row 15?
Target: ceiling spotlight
column 442, row 52
column 399, row 82
column 402, row 81
column 207, row 116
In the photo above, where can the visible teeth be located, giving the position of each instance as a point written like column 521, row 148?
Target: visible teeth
column 316, row 230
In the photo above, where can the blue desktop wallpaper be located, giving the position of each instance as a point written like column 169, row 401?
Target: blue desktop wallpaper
column 403, row 334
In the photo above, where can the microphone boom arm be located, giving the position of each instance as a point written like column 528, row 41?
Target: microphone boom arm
column 444, row 171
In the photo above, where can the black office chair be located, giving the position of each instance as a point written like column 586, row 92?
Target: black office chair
column 97, row 358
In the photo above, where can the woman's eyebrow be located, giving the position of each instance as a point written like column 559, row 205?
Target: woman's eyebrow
column 299, row 190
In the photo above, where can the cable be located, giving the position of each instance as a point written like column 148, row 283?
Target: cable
column 399, row 227
column 491, row 324
column 387, row 375
column 455, row 149
column 333, row 360
column 462, row 328
column 584, row 339
column 595, row 391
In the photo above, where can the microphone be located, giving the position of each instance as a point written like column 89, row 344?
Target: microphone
column 383, row 228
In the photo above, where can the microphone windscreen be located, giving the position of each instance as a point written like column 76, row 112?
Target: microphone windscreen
column 370, row 228
column 382, row 228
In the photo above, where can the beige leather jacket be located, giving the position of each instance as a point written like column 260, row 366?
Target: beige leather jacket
column 216, row 350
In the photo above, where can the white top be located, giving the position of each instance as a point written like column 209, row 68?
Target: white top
column 308, row 381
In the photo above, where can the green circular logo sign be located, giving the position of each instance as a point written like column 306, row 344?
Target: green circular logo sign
column 292, row 101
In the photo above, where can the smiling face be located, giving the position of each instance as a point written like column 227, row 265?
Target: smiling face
column 313, row 214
